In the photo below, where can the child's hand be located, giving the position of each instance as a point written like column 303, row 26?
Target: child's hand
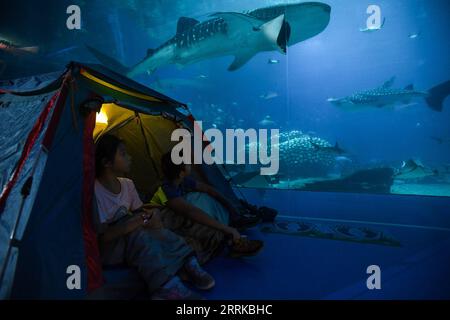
column 233, row 232
column 152, row 219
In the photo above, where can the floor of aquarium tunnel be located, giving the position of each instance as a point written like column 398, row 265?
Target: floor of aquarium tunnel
column 293, row 266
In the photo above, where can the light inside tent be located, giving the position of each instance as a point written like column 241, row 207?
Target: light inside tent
column 101, row 117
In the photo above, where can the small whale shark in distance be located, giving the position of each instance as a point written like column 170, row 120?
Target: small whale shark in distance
column 230, row 33
column 386, row 96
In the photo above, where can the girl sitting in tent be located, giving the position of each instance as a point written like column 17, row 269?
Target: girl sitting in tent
column 200, row 214
column 133, row 235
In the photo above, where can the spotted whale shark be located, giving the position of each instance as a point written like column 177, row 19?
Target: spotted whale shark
column 242, row 35
column 387, row 96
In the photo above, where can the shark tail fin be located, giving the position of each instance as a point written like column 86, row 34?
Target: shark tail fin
column 437, row 95
column 108, row 61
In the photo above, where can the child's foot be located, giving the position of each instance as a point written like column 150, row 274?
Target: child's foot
column 192, row 272
column 244, row 222
column 245, row 248
column 174, row 289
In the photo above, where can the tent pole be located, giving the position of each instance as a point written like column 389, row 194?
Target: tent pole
column 26, row 189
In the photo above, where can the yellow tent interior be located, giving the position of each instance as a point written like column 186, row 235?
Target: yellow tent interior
column 147, row 138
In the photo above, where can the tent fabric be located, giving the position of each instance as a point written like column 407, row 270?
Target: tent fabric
column 22, row 158
column 47, row 171
column 95, row 278
column 53, row 239
column 31, row 84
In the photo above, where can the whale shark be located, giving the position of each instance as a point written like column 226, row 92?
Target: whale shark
column 386, row 96
column 242, row 35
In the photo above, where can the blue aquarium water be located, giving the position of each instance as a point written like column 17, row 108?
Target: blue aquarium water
column 357, row 91
column 351, row 77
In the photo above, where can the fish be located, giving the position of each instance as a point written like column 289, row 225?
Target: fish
column 385, row 96
column 414, row 35
column 267, row 122
column 17, row 62
column 242, row 35
column 273, row 61
column 372, row 29
column 269, row 95
column 11, row 48
column 414, row 169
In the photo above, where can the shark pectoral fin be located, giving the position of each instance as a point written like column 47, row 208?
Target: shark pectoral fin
column 240, row 60
column 272, row 31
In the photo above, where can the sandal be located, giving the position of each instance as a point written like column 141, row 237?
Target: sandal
column 245, row 247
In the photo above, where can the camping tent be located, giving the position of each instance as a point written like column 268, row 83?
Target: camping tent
column 48, row 130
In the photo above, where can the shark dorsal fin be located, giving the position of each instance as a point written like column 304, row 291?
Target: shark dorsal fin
column 185, row 24
column 388, row 83
column 409, row 87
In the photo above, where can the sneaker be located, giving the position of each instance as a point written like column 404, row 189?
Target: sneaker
column 244, row 247
column 193, row 273
column 174, row 289
column 244, row 222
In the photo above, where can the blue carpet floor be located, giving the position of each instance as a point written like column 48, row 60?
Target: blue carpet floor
column 295, row 267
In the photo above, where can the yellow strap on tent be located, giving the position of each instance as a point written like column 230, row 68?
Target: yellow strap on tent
column 90, row 76
column 159, row 198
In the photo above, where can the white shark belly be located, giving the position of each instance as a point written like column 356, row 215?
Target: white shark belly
column 162, row 57
column 306, row 20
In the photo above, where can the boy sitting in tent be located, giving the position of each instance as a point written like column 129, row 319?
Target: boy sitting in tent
column 201, row 214
column 133, row 235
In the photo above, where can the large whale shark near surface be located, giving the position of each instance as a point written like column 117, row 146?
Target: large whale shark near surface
column 241, row 35
column 386, row 96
